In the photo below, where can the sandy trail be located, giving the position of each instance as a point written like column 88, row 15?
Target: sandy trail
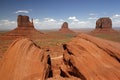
column 57, row 57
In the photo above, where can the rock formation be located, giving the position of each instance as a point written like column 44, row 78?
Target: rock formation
column 104, row 25
column 65, row 25
column 25, row 61
column 90, row 58
column 23, row 21
column 65, row 29
column 25, row 28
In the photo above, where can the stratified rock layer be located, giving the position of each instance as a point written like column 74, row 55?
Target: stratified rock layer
column 25, row 28
column 25, row 61
column 91, row 58
column 65, row 28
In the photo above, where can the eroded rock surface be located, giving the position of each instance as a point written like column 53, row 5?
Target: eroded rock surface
column 91, row 58
column 25, row 61
column 65, row 28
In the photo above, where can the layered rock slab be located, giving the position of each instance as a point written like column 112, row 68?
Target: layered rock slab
column 91, row 58
column 25, row 61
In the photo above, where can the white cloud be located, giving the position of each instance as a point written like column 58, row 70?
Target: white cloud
column 116, row 16
column 49, row 20
column 82, row 24
column 22, row 11
column 61, row 20
column 7, row 24
column 46, row 23
column 73, row 18
column 115, row 20
column 37, row 22
column 92, row 18
column 75, row 23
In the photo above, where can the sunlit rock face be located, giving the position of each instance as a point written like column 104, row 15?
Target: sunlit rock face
column 25, row 61
column 90, row 58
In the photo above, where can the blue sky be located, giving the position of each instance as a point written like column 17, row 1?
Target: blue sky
column 49, row 14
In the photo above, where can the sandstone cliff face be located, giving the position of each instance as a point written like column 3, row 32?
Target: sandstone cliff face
column 90, row 58
column 25, row 61
column 104, row 25
column 65, row 28
column 23, row 21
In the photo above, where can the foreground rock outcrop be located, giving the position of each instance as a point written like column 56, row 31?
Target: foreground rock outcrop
column 91, row 58
column 65, row 28
column 84, row 58
column 104, row 25
column 25, row 61
column 25, row 28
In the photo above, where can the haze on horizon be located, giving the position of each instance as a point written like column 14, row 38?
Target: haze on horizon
column 50, row 14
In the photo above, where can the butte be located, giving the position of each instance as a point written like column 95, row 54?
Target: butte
column 104, row 25
column 65, row 28
column 25, row 28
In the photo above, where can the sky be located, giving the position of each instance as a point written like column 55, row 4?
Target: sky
column 50, row 14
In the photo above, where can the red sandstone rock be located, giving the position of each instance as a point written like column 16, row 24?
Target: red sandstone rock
column 25, row 61
column 65, row 29
column 104, row 25
column 23, row 21
column 84, row 58
column 65, row 25
column 91, row 58
column 105, row 22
